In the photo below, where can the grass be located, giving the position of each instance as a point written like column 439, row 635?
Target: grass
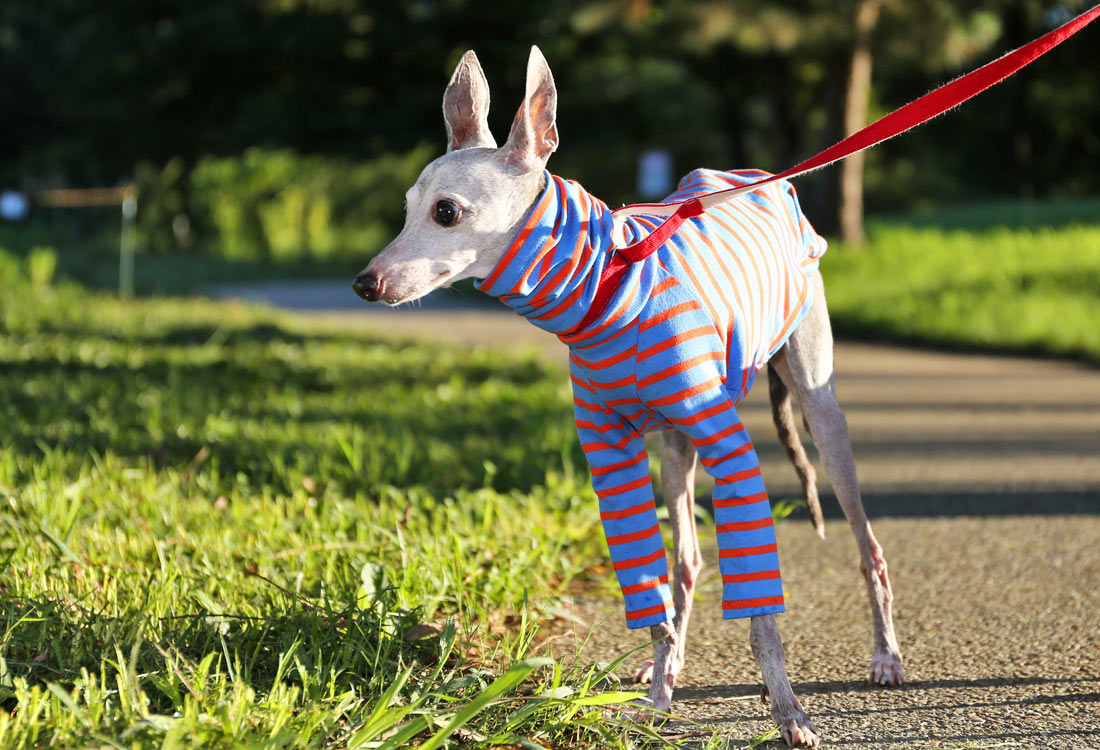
column 1006, row 282
column 221, row 528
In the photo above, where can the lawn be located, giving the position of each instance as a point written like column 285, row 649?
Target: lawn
column 1018, row 277
column 225, row 528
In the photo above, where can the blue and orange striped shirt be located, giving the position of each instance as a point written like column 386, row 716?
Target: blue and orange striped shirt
column 677, row 346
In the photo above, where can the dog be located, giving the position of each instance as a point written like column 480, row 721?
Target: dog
column 676, row 348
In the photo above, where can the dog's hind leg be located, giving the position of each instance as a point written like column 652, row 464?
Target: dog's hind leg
column 678, row 459
column 783, row 416
column 806, row 365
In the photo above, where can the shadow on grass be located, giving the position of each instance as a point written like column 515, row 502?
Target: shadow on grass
column 264, row 414
column 288, row 412
column 191, row 334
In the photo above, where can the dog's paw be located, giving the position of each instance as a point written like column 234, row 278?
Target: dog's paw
column 795, row 725
column 644, row 675
column 886, row 668
column 799, row 732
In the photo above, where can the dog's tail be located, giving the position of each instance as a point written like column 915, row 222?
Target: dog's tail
column 783, row 415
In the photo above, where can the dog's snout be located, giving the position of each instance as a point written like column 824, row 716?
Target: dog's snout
column 368, row 286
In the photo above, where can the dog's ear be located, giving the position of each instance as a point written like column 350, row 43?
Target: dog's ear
column 534, row 133
column 466, row 107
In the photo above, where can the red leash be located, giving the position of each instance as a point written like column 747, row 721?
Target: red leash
column 916, row 112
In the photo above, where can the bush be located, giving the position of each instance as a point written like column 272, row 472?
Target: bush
column 41, row 265
column 10, row 272
column 277, row 204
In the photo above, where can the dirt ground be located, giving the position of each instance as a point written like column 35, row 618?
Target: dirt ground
column 996, row 617
column 981, row 475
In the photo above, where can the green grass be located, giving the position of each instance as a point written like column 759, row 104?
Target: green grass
column 219, row 525
column 1020, row 287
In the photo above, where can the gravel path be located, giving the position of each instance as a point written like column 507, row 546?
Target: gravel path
column 981, row 475
column 997, row 620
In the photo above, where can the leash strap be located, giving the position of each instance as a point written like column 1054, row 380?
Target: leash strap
column 916, row 112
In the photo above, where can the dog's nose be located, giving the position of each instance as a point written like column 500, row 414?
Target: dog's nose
column 368, row 286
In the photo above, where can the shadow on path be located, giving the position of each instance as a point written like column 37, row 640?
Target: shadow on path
column 1043, row 501
column 728, row 692
column 917, row 699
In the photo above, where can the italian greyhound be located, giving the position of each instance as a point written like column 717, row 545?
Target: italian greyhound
column 682, row 336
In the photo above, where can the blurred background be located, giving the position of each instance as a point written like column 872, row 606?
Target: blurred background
column 275, row 138
column 287, row 520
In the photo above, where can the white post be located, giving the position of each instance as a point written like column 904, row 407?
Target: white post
column 126, row 243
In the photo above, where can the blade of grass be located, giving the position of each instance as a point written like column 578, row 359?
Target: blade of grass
column 516, row 674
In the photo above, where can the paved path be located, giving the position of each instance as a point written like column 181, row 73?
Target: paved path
column 997, row 620
column 982, row 477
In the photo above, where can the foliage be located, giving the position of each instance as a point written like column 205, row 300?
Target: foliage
column 279, row 205
column 1034, row 287
column 41, row 265
column 985, row 216
column 268, row 205
column 222, row 528
column 96, row 91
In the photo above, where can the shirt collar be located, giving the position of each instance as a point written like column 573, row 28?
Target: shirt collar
column 550, row 272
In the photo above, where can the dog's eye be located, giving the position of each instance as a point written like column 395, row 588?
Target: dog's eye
column 405, row 207
column 446, row 213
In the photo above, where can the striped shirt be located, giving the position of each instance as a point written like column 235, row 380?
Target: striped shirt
column 677, row 346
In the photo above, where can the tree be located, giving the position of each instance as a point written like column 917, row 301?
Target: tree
column 857, row 97
column 840, row 42
column 89, row 92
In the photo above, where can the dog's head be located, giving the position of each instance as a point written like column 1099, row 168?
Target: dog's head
column 466, row 207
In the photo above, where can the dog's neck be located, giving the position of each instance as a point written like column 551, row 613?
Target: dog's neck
column 550, row 272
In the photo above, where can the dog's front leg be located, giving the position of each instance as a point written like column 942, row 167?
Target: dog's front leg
column 667, row 661
column 751, row 584
column 620, row 477
column 678, row 461
column 767, row 647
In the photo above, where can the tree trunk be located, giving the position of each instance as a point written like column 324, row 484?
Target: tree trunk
column 822, row 189
column 1019, row 27
column 857, row 96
